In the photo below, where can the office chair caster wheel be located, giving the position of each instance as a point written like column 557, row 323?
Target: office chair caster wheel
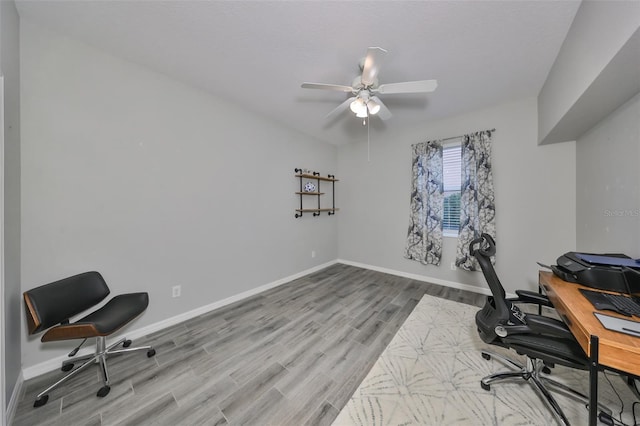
column 104, row 391
column 41, row 401
column 486, row 356
column 67, row 367
column 126, row 343
column 151, row 353
column 485, row 386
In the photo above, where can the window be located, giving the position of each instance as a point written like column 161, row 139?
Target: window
column 451, row 176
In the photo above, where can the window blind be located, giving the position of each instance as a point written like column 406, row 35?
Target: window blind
column 452, row 180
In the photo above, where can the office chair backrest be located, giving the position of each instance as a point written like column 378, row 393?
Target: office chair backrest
column 497, row 310
column 482, row 249
column 56, row 302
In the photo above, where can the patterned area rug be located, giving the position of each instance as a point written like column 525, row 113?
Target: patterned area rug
column 430, row 375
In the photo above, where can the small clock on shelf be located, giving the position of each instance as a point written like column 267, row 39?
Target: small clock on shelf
column 309, row 187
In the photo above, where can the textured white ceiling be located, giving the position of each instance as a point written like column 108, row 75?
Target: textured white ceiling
column 257, row 53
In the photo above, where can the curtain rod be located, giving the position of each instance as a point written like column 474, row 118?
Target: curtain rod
column 456, row 137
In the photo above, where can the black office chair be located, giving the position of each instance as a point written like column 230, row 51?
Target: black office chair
column 544, row 341
column 52, row 305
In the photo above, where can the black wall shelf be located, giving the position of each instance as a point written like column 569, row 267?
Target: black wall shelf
column 317, row 193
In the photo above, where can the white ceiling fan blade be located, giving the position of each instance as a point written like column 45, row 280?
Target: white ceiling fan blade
column 340, row 108
column 337, row 87
column 371, row 66
column 422, row 86
column 384, row 112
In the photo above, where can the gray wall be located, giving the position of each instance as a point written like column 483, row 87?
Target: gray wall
column 596, row 72
column 534, row 185
column 608, row 184
column 155, row 184
column 598, row 31
column 10, row 68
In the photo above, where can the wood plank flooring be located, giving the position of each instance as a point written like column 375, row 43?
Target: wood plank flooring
column 292, row 355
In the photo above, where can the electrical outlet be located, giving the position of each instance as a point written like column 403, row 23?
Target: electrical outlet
column 176, row 290
column 453, row 266
column 313, row 253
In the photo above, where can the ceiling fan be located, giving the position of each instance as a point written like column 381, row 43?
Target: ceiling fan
column 365, row 88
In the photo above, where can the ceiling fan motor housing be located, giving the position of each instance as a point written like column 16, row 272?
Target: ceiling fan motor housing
column 357, row 84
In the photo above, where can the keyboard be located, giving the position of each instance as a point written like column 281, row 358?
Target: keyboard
column 613, row 302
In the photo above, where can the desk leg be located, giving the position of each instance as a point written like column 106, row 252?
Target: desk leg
column 540, row 293
column 593, row 381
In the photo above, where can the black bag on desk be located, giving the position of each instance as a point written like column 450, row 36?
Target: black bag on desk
column 604, row 277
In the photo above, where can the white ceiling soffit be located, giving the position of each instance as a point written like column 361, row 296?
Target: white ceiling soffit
column 257, row 53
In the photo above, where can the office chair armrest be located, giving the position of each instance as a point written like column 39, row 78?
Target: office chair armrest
column 537, row 324
column 526, row 296
column 548, row 326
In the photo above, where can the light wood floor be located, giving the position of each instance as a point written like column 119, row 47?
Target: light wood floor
column 292, row 355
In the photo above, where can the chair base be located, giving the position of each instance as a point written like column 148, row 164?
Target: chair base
column 531, row 372
column 99, row 357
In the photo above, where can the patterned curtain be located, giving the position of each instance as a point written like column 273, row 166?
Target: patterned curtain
column 424, row 238
column 477, row 200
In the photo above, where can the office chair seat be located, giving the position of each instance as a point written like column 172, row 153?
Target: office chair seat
column 551, row 350
column 49, row 307
column 544, row 341
column 105, row 321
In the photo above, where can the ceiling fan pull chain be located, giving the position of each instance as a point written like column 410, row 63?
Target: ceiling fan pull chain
column 368, row 144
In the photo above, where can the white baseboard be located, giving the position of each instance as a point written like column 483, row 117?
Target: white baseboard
column 54, row 363
column 445, row 283
column 15, row 398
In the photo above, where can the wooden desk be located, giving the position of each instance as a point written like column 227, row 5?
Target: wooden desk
column 605, row 348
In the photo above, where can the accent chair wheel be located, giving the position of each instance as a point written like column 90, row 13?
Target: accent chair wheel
column 485, row 386
column 67, row 367
column 126, row 343
column 486, row 356
column 104, row 391
column 151, row 353
column 41, row 401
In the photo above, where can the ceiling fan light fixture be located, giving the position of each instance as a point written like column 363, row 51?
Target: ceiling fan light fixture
column 358, row 106
column 355, row 106
column 362, row 113
column 373, row 107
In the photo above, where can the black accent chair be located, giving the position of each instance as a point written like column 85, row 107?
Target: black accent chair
column 544, row 341
column 52, row 305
